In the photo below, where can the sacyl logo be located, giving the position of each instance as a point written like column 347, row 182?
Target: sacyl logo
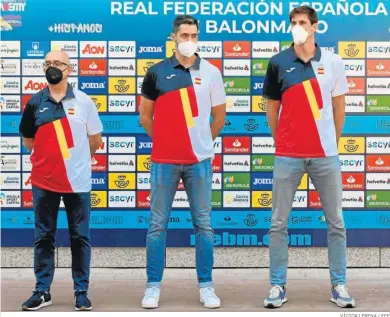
column 121, row 103
column 121, row 144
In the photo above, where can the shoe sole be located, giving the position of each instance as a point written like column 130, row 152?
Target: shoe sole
column 45, row 304
column 210, row 306
column 270, row 305
column 341, row 306
column 83, row 308
column 150, row 306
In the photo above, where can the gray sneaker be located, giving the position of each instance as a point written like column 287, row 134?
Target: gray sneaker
column 276, row 298
column 341, row 297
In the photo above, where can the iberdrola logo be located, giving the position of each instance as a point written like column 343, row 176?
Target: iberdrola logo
column 229, row 180
column 258, row 66
column 229, row 84
column 257, row 162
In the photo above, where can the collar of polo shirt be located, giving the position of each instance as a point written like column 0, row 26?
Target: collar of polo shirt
column 176, row 63
column 316, row 57
column 69, row 93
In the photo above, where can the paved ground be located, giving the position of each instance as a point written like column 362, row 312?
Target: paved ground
column 239, row 289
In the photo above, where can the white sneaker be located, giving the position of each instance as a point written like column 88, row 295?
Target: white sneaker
column 276, row 298
column 341, row 297
column 151, row 298
column 208, row 298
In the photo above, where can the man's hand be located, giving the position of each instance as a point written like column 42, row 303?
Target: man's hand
column 146, row 115
column 28, row 143
column 273, row 107
column 338, row 115
column 94, row 142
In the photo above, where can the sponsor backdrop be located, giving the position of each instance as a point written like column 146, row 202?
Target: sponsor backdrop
column 112, row 46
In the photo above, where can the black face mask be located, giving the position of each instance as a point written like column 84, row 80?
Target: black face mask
column 54, row 75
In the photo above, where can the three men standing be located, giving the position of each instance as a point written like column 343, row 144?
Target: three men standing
column 305, row 88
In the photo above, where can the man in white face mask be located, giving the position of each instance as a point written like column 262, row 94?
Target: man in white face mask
column 179, row 95
column 305, row 87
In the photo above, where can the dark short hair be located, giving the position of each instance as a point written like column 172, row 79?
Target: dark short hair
column 309, row 11
column 184, row 19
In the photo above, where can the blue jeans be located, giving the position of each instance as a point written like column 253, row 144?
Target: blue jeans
column 325, row 174
column 46, row 205
column 164, row 180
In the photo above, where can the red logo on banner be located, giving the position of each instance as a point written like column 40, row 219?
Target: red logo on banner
column 217, row 163
column 217, row 63
column 237, row 49
column 93, row 67
column 27, row 199
column 357, row 86
column 378, row 163
column 378, row 67
column 34, row 86
column 99, row 163
column 236, row 145
column 353, row 180
column 143, row 199
column 93, row 50
column 103, row 147
column 314, row 200
column 25, row 99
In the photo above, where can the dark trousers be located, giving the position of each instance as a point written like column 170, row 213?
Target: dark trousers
column 77, row 206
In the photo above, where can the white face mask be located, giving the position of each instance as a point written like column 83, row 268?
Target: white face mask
column 299, row 34
column 187, row 49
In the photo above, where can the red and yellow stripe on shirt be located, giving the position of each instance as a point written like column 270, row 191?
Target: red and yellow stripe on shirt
column 315, row 100
column 175, row 114
column 190, row 108
column 64, row 136
column 52, row 145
